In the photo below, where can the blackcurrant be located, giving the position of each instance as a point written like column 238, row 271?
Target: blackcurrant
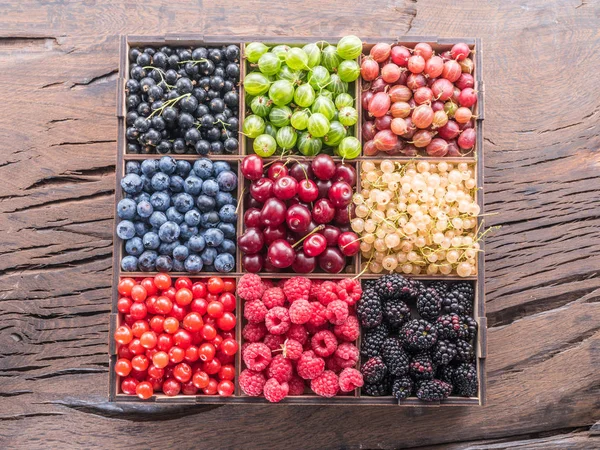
column 202, row 147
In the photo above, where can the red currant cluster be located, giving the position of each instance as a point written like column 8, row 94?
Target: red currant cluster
column 176, row 338
column 300, row 333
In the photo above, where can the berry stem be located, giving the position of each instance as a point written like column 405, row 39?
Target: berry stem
column 317, row 229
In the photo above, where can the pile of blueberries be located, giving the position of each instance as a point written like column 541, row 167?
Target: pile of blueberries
column 183, row 100
column 176, row 216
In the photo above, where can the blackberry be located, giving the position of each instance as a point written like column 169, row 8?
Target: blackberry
column 372, row 340
column 393, row 286
column 433, row 390
column 421, row 367
column 464, row 351
column 445, row 373
column 441, row 287
column 465, row 380
column 443, row 352
column 394, row 356
column 373, row 370
column 468, row 328
column 457, row 302
column 466, row 289
column 416, row 288
column 396, row 312
column 448, row 326
column 369, row 310
column 384, row 387
column 418, row 335
column 402, row 387
column 429, row 304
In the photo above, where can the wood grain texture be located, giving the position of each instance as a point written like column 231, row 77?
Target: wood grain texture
column 57, row 159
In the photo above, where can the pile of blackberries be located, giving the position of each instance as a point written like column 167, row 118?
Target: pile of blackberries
column 183, row 100
column 178, row 216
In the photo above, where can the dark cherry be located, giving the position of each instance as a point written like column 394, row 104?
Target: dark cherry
column 253, row 203
column 349, row 243
column 344, row 228
column 323, row 211
column 281, row 254
column 345, row 172
column 331, row 260
column 323, row 186
column 262, row 189
column 271, row 234
column 308, row 191
column 340, row 194
column 332, row 234
column 343, row 215
column 277, row 170
column 253, row 263
column 314, row 245
column 285, row 187
column 292, row 239
column 303, row 263
column 323, row 167
column 301, row 170
column 252, row 218
column 252, row 167
column 298, row 218
column 273, row 212
column 269, row 267
column 252, row 241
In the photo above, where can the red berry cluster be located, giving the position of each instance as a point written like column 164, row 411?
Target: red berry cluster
column 308, row 204
column 176, row 338
column 300, row 333
column 418, row 100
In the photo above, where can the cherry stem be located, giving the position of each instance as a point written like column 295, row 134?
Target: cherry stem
column 317, row 229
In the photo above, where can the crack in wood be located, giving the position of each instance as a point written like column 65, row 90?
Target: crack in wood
column 99, row 141
column 99, row 78
column 63, row 372
column 97, row 195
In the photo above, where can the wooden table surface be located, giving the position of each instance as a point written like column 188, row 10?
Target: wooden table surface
column 58, row 66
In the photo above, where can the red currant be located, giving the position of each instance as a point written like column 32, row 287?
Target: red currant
column 193, row 322
column 227, row 372
column 228, row 300
column 163, row 305
column 148, row 339
column 171, row 387
column 182, row 372
column 160, row 359
column 125, row 285
column 226, row 322
column 176, row 355
column 211, row 389
column 164, row 342
column 139, row 327
column 128, row 385
column 199, row 289
column 212, row 367
column 171, row 325
column 189, row 388
column 138, row 311
column 170, row 293
column 199, row 305
column 200, row 379
column 215, row 285
column 178, row 312
column 123, row 335
column 149, row 285
column 228, row 284
column 138, row 293
column 209, row 332
column 136, row 348
column 183, row 282
column 184, row 297
column 123, row 367
column 156, row 372
column 162, row 281
column 229, row 346
column 140, row 362
column 225, row 388
column 123, row 305
column 182, row 338
column 144, row 390
column 206, row 351
column 191, row 354
column 157, row 323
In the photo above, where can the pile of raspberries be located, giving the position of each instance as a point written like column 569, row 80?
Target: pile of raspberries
column 299, row 334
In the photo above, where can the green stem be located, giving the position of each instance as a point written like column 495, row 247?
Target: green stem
column 317, row 229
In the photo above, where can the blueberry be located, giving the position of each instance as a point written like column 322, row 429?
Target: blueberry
column 132, row 183
column 227, row 181
column 214, row 237
column 141, row 228
column 193, row 264
column 192, row 217
column 192, row 185
column 208, row 255
column 181, row 252
column 151, row 240
column 144, row 209
column 228, row 230
column 183, row 202
column 183, row 168
column 133, row 167
column 167, row 165
column 169, row 232
column 196, row 244
column 224, row 263
column 166, row 248
column 174, row 216
column 126, row 209
column 147, row 261
column 224, row 198
column 134, row 246
column 203, row 168
column 149, row 167
column 221, row 166
column 164, row 263
column 160, row 181
column 227, row 214
column 186, row 231
column 129, row 263
column 176, row 183
column 143, row 197
column 205, row 203
column 227, row 246
column 125, row 229
column 210, row 219
column 160, row 201
column 157, row 219
column 209, row 268
column 210, row 187
column 178, row 266
column 147, row 183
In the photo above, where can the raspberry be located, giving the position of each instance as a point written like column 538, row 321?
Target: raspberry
column 350, row 379
column 298, row 333
column 277, row 320
column 273, row 297
column 274, row 341
column 292, row 349
column 349, row 290
column 296, row 385
column 257, row 356
column 349, row 330
column 255, row 311
column 324, row 343
column 300, row 311
column 274, row 391
column 310, row 366
column 254, row 332
column 319, row 315
column 250, row 287
column 347, row 355
column 326, row 384
column 327, row 293
column 269, row 284
column 280, row 368
column 296, row 288
column 252, row 383
column 333, row 364
column 337, row 312
column 314, row 290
